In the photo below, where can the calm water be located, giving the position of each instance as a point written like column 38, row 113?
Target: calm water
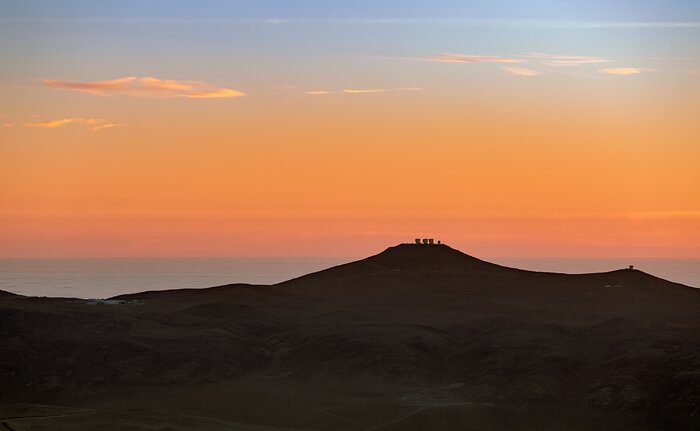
column 103, row 278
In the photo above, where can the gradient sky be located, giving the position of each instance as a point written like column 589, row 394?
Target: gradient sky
column 271, row 128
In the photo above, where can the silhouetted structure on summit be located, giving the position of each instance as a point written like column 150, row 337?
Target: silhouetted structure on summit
column 426, row 241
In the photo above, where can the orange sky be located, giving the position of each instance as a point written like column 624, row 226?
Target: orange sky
column 344, row 177
column 498, row 163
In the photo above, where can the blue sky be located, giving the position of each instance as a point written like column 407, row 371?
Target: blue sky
column 327, row 44
column 589, row 10
column 267, row 42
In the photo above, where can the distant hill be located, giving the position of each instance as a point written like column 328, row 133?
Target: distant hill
column 422, row 325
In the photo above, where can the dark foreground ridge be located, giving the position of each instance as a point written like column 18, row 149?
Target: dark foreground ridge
column 416, row 337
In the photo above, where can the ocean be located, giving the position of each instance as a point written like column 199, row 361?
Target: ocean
column 104, row 278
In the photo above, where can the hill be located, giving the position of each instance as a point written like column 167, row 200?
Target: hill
column 412, row 336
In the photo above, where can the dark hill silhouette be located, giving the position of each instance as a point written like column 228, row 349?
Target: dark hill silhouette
column 413, row 258
column 415, row 335
column 438, row 257
column 442, row 259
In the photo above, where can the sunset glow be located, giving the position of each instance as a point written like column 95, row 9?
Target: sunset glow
column 292, row 130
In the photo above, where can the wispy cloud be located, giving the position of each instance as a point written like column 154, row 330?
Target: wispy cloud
column 360, row 91
column 461, row 58
column 627, row 24
column 563, row 60
column 95, row 123
column 523, row 61
column 622, row 71
column 106, row 126
column 146, row 87
column 522, row 71
column 379, row 90
column 319, row 92
column 366, row 90
column 470, row 22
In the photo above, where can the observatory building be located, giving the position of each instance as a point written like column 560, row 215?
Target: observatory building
column 426, row 241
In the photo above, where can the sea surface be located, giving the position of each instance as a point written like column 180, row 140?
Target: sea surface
column 104, row 278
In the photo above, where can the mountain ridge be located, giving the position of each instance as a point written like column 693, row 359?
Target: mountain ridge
column 410, row 328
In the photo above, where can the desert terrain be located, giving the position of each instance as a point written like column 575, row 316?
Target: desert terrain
column 417, row 337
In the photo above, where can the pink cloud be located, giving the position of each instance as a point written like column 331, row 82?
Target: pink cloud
column 361, row 91
column 460, row 58
column 622, row 71
column 522, row 71
column 146, row 87
column 95, row 123
column 563, row 60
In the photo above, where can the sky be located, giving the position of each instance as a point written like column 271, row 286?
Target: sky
column 310, row 128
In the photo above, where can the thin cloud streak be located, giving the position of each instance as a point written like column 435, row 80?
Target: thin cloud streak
column 379, row 90
column 496, row 23
column 51, row 124
column 361, row 91
column 526, row 59
column 623, row 71
column 106, row 126
column 146, row 87
column 563, row 60
column 536, row 58
column 522, row 71
column 95, row 123
column 460, row 58
column 631, row 24
column 318, row 92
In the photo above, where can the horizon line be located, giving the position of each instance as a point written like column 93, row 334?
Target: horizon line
column 486, row 256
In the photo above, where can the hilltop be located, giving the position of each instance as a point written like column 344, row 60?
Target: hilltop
column 416, row 336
